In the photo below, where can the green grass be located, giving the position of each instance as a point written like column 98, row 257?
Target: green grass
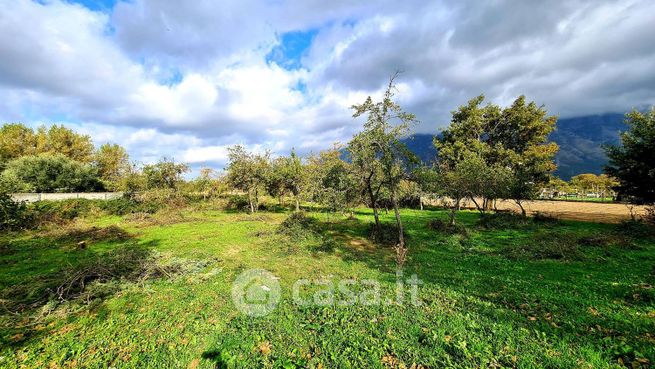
column 511, row 294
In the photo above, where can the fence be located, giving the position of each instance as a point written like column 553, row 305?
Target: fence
column 33, row 197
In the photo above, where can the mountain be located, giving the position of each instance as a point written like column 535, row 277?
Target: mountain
column 580, row 140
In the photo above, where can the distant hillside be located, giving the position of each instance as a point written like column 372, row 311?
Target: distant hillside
column 580, row 140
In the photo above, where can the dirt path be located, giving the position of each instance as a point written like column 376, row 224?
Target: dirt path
column 573, row 210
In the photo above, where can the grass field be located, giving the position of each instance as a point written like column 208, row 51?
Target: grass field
column 498, row 292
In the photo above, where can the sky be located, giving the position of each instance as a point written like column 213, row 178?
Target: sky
column 188, row 79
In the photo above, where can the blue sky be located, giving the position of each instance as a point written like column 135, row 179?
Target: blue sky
column 188, row 79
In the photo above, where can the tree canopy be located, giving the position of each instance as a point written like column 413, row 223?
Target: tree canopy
column 632, row 162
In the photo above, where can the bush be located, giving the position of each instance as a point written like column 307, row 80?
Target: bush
column 51, row 173
column 649, row 217
column 298, row 227
column 13, row 214
column 58, row 212
column 545, row 218
column 388, row 234
column 126, row 205
column 445, row 227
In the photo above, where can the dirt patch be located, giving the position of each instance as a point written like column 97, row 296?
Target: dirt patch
column 571, row 210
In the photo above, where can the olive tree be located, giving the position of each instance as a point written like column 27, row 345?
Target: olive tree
column 378, row 155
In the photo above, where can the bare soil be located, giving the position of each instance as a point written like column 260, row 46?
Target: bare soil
column 572, row 210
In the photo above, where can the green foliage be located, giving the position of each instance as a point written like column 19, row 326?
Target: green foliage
column 507, row 148
column 16, row 140
column 59, row 212
column 633, row 162
column 129, row 205
column 331, row 181
column 57, row 139
column 13, row 214
column 165, row 174
column 50, row 173
column 113, row 164
column 248, row 172
column 446, row 227
column 379, row 158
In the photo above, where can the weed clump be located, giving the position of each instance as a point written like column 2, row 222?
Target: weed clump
column 544, row 218
column 298, row 227
column 445, row 227
column 544, row 246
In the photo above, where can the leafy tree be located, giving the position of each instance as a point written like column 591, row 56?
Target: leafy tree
column 165, row 174
column 16, row 140
column 513, row 142
column 48, row 173
column 113, row 164
column 274, row 179
column 247, row 172
column 379, row 143
column 61, row 140
column 633, row 162
column 13, row 214
column 291, row 170
column 331, row 181
column 208, row 183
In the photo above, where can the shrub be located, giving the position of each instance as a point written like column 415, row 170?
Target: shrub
column 545, row 218
column 298, row 226
column 446, row 227
column 649, row 217
column 387, row 235
column 42, row 212
column 238, row 202
column 126, row 205
column 13, row 214
column 51, row 173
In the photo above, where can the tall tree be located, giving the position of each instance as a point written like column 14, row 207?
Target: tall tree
column 331, row 181
column 633, row 162
column 61, row 140
column 380, row 144
column 292, row 175
column 165, row 174
column 513, row 139
column 16, row 140
column 247, row 172
column 113, row 164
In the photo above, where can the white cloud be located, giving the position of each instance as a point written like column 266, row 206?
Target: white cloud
column 188, row 81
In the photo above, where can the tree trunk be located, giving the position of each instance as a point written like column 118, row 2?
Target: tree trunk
column 252, row 208
column 401, row 250
column 520, row 204
column 476, row 204
column 453, row 211
column 297, row 204
column 420, row 202
column 375, row 210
